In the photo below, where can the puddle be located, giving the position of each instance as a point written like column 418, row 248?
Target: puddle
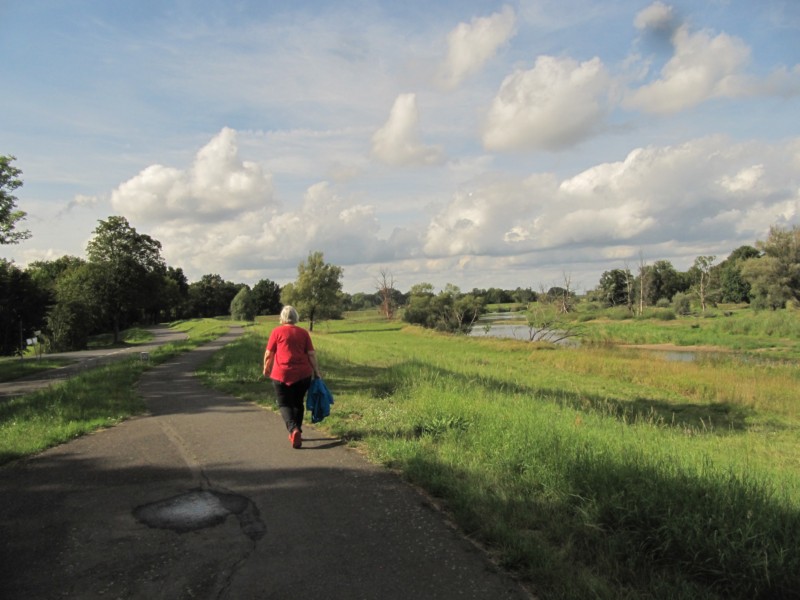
column 198, row 509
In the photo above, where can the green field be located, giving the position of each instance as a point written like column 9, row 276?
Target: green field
column 592, row 472
column 603, row 470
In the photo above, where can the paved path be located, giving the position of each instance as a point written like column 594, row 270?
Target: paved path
column 205, row 498
column 84, row 359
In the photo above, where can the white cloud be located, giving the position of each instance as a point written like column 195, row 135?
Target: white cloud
column 218, row 184
column 398, row 143
column 553, row 106
column 471, row 45
column 654, row 196
column 702, row 67
column 657, row 16
column 743, row 181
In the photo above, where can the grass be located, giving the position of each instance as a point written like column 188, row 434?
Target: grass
column 590, row 472
column 134, row 335
column 95, row 399
column 14, row 368
column 769, row 333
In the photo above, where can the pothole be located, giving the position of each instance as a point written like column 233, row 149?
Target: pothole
column 198, row 509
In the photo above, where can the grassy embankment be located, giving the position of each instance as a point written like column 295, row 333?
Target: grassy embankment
column 591, row 472
column 97, row 398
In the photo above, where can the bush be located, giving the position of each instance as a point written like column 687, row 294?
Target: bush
column 681, row 304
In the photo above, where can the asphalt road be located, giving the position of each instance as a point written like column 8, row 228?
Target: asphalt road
column 205, row 498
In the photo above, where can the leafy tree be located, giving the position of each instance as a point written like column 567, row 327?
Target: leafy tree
column 731, row 284
column 421, row 289
column 266, row 296
column 211, row 296
column 663, row 282
column 616, row 288
column 22, row 307
column 524, row 295
column 132, row 270
column 449, row 311
column 360, row 301
column 315, row 294
column 681, row 304
column 494, row 295
column 47, row 272
column 775, row 277
column 9, row 182
column 174, row 297
column 242, row 306
column 77, row 312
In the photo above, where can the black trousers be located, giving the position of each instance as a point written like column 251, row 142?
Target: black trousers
column 291, row 402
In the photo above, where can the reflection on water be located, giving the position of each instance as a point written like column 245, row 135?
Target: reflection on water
column 489, row 326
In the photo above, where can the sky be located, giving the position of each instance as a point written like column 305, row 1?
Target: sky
column 477, row 143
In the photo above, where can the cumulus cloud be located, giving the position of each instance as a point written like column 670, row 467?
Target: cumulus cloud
column 471, row 45
column 398, row 143
column 325, row 220
column 218, row 184
column 702, row 67
column 698, row 192
column 80, row 201
column 553, row 106
column 657, row 16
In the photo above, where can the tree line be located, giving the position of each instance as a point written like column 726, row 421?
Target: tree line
column 124, row 280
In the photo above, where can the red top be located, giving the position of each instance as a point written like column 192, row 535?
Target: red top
column 290, row 346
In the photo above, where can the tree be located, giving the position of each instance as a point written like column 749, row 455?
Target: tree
column 243, row 307
column 10, row 181
column 211, row 296
column 702, row 269
column 77, row 312
column 133, row 270
column 266, row 296
column 732, row 286
column 774, row 278
column 563, row 298
column 662, row 282
column 524, row 295
column 315, row 294
column 385, row 287
column 174, row 296
column 22, row 307
column 449, row 311
column 616, row 288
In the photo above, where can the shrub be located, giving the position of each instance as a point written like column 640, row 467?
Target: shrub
column 681, row 304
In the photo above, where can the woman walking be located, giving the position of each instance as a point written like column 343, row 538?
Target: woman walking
column 290, row 361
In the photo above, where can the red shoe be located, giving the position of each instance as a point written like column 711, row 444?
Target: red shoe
column 296, row 438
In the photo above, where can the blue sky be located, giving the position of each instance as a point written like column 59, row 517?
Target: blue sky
column 474, row 143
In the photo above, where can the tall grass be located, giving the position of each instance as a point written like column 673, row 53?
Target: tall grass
column 775, row 333
column 590, row 473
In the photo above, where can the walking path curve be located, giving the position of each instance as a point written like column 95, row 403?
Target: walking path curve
column 84, row 359
column 205, row 498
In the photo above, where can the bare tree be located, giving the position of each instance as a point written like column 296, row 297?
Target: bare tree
column 629, row 287
column 703, row 265
column 385, row 287
column 545, row 324
column 642, row 283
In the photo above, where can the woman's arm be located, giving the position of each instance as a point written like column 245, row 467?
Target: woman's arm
column 312, row 358
column 269, row 358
